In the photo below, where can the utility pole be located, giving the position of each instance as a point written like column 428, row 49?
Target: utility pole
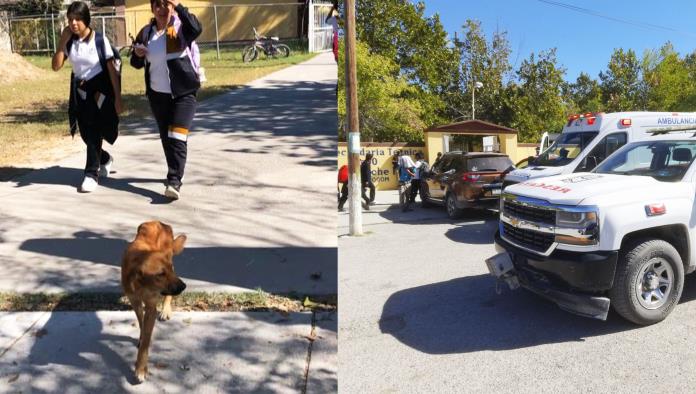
column 354, row 193
column 477, row 85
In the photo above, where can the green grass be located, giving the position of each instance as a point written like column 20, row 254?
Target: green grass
column 188, row 301
column 33, row 114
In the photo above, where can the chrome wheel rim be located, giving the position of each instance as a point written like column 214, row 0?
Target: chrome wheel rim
column 654, row 283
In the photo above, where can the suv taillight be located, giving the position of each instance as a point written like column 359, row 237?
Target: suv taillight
column 470, row 177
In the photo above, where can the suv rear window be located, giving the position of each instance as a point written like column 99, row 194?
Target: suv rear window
column 489, row 163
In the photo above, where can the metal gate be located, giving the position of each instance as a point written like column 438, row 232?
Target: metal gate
column 41, row 33
column 320, row 32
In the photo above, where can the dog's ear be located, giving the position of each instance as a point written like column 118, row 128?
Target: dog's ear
column 178, row 245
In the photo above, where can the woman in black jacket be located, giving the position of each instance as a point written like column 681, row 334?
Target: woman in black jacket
column 163, row 47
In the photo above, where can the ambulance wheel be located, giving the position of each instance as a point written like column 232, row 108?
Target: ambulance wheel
column 648, row 282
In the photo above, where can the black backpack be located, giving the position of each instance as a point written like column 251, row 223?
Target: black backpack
column 424, row 169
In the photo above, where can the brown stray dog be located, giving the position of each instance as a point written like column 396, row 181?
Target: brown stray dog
column 147, row 273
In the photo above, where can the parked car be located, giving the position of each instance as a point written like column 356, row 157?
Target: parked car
column 463, row 180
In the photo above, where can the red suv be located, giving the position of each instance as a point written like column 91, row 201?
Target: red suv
column 462, row 180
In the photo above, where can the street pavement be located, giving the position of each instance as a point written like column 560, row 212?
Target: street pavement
column 258, row 210
column 420, row 313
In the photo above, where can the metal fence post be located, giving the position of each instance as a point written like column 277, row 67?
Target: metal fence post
column 103, row 26
column 48, row 38
column 9, row 31
column 53, row 32
column 36, row 29
column 310, row 22
column 217, row 34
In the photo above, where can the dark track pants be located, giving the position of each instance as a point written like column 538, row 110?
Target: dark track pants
column 371, row 186
column 92, row 137
column 174, row 117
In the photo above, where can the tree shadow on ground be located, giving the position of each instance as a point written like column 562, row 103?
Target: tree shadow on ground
column 280, row 108
column 96, row 352
column 278, row 270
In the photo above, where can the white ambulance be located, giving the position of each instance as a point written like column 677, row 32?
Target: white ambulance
column 623, row 234
column 587, row 139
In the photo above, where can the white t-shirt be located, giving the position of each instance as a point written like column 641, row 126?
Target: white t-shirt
column 157, row 57
column 84, row 58
column 405, row 161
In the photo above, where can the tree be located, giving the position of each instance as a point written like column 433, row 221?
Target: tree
column 585, row 94
column 537, row 99
column 621, row 85
column 389, row 107
column 399, row 30
column 485, row 62
column 34, row 7
column 669, row 85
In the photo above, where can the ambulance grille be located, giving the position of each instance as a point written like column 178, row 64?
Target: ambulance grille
column 532, row 214
column 534, row 240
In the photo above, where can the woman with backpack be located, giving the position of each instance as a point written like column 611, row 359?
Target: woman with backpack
column 163, row 47
column 95, row 90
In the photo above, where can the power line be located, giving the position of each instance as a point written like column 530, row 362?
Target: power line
column 642, row 25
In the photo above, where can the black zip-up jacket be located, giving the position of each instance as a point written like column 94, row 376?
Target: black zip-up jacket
column 183, row 78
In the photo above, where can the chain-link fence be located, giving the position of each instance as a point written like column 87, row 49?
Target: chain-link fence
column 41, row 33
column 222, row 25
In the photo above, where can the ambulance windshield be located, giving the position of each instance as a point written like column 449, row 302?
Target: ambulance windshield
column 666, row 161
column 566, row 148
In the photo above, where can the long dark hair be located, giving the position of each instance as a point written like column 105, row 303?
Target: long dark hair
column 79, row 10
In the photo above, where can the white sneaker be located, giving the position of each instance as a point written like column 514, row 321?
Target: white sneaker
column 171, row 192
column 105, row 169
column 89, row 184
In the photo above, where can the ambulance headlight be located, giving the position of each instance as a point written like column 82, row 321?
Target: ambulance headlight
column 577, row 227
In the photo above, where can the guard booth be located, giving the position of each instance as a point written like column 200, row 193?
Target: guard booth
column 437, row 139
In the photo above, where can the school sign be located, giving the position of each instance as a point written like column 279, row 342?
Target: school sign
column 383, row 175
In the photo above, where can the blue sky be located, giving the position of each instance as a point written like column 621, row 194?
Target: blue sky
column 584, row 42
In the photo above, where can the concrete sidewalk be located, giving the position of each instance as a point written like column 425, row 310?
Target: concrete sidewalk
column 257, row 201
column 202, row 352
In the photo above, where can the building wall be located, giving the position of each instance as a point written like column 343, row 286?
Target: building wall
column 524, row 151
column 383, row 176
column 234, row 22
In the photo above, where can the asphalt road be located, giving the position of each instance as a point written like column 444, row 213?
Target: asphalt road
column 419, row 313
